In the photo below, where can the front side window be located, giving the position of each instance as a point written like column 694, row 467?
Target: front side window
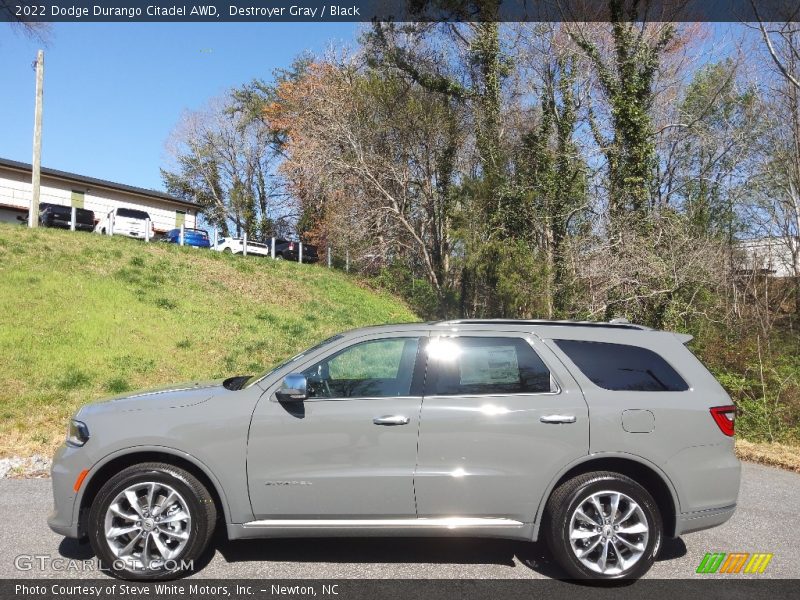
column 374, row 369
column 622, row 367
column 486, row 365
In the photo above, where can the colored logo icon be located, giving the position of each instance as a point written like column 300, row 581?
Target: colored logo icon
column 734, row 562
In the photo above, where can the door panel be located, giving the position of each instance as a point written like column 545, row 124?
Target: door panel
column 327, row 457
column 491, row 455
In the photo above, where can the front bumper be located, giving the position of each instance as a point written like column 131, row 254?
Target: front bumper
column 62, row 526
column 68, row 462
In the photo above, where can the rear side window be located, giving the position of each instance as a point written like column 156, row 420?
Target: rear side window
column 621, row 367
column 484, row 365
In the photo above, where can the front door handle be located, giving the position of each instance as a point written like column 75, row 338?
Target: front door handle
column 391, row 420
column 557, row 419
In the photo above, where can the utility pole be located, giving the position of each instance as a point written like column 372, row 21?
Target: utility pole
column 36, row 166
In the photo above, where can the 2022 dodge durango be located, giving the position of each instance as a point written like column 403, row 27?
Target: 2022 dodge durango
column 458, row 428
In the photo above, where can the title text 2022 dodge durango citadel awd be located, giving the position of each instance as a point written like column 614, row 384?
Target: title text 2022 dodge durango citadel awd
column 599, row 438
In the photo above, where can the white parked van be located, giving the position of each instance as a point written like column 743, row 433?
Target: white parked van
column 125, row 221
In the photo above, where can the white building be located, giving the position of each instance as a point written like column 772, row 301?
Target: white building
column 97, row 195
column 770, row 256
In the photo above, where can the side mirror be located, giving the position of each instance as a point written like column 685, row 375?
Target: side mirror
column 293, row 388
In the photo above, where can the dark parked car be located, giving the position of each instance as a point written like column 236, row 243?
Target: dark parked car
column 56, row 215
column 290, row 250
column 191, row 237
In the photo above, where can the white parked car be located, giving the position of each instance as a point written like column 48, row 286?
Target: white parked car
column 234, row 245
column 125, row 221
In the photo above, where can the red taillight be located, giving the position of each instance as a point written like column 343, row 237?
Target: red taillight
column 291, row 246
column 725, row 417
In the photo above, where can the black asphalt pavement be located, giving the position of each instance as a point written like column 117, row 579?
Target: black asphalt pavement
column 766, row 521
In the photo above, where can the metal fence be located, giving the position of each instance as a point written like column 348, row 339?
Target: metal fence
column 329, row 257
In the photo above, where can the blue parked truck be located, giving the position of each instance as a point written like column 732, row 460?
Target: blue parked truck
column 191, row 237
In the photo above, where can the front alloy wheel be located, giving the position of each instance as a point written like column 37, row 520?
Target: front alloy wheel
column 148, row 524
column 151, row 521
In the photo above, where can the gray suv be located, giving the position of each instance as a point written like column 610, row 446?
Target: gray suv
column 600, row 438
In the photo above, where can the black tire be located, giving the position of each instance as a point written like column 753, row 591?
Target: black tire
column 279, row 256
column 199, row 504
column 567, row 497
column 227, row 251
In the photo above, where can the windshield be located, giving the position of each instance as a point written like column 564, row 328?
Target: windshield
column 271, row 370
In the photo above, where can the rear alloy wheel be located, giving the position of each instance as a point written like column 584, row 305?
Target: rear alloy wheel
column 151, row 521
column 603, row 526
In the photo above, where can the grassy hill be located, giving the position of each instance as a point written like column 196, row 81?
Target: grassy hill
column 82, row 316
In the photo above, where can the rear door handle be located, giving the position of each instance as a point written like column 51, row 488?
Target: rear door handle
column 391, row 420
column 557, row 419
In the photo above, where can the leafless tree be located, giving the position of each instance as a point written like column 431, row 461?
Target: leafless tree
column 779, row 190
column 40, row 32
column 374, row 157
column 224, row 161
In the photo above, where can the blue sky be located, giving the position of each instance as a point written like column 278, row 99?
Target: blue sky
column 114, row 92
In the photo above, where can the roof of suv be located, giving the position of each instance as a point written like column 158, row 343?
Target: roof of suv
column 614, row 324
column 488, row 324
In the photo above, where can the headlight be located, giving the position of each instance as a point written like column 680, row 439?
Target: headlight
column 78, row 433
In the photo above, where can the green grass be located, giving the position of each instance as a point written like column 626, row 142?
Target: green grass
column 84, row 316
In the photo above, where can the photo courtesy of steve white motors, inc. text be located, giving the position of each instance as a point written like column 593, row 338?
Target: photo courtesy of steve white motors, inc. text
column 174, row 10
column 173, row 589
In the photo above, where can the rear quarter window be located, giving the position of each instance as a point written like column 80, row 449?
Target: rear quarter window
column 623, row 367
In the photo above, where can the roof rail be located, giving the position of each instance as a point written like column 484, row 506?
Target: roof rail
column 613, row 324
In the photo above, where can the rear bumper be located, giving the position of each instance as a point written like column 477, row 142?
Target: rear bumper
column 294, row 255
column 706, row 478
column 704, row 519
column 62, row 224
